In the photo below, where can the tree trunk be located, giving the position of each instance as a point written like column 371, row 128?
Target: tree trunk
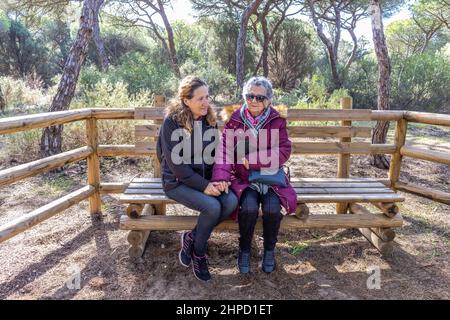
column 384, row 73
column 242, row 37
column 170, row 38
column 332, row 48
column 2, row 102
column 51, row 139
column 265, row 48
column 98, row 41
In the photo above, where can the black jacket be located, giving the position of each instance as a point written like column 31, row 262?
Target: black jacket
column 194, row 175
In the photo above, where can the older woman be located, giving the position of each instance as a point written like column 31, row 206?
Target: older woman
column 186, row 174
column 258, row 119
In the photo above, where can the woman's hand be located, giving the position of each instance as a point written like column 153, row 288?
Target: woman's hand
column 222, row 185
column 246, row 163
column 211, row 190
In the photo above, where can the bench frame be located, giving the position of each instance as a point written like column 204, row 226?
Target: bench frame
column 146, row 211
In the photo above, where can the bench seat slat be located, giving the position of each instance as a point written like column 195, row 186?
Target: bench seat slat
column 331, row 221
column 300, row 191
column 316, row 198
column 358, row 180
column 374, row 185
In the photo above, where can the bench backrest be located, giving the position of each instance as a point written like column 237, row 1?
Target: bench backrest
column 317, row 136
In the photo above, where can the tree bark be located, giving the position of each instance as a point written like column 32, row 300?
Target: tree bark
column 384, row 73
column 242, row 37
column 51, row 140
column 170, row 38
column 98, row 41
column 2, row 102
column 332, row 48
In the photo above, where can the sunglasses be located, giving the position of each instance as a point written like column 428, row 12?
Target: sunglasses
column 251, row 96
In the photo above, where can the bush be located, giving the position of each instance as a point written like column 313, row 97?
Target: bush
column 421, row 82
column 21, row 94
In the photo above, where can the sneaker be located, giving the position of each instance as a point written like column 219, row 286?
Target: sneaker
column 187, row 245
column 200, row 267
column 268, row 261
column 244, row 261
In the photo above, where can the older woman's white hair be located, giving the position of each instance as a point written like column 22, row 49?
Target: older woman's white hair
column 258, row 82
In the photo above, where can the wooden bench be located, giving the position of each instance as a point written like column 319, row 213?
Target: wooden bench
column 147, row 202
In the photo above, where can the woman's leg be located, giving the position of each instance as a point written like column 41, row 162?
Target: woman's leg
column 271, row 208
column 210, row 213
column 229, row 202
column 248, row 214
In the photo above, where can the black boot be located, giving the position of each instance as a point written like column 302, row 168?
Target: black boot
column 268, row 261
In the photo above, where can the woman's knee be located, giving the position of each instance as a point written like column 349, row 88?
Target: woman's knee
column 211, row 209
column 271, row 207
column 229, row 203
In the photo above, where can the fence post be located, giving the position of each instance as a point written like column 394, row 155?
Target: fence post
column 95, row 202
column 159, row 101
column 396, row 158
column 344, row 158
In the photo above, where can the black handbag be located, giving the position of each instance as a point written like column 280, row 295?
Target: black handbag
column 278, row 178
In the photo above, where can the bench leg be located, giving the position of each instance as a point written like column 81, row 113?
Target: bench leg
column 302, row 211
column 160, row 209
column 137, row 240
column 380, row 238
column 134, row 210
column 389, row 209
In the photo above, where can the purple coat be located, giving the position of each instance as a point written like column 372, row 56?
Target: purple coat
column 238, row 174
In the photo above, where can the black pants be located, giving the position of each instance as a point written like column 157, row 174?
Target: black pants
column 248, row 214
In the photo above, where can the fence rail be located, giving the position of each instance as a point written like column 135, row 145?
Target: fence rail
column 93, row 151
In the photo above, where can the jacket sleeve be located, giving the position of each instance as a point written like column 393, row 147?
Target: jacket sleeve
column 223, row 165
column 282, row 151
column 183, row 172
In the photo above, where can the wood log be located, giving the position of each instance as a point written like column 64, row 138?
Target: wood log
column 328, row 115
column 138, row 238
column 396, row 159
column 8, row 176
column 152, row 113
column 385, row 234
column 384, row 247
column 302, row 211
column 386, row 115
column 113, row 187
column 136, row 251
column 388, row 209
column 315, row 221
column 343, row 169
column 428, row 118
column 42, row 120
column 34, row 217
column 306, row 148
column 435, row 195
column 329, row 131
column 113, row 113
column 429, row 155
column 323, row 148
column 128, row 150
column 95, row 201
column 134, row 210
column 316, row 198
column 294, row 180
column 300, row 191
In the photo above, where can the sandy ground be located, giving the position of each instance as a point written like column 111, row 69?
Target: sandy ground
column 43, row 262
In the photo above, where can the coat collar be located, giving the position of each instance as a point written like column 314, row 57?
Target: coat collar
column 236, row 116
